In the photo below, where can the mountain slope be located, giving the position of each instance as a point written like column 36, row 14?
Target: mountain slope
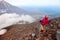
column 5, row 7
column 22, row 32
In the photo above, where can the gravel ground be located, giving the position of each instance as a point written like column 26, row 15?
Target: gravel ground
column 24, row 31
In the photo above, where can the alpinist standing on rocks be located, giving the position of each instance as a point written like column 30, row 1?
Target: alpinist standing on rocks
column 43, row 22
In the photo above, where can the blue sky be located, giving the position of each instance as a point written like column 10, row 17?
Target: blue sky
column 34, row 2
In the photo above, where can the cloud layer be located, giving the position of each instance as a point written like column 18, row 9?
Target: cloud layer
column 10, row 19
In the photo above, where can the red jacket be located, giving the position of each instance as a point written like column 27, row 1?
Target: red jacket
column 44, row 20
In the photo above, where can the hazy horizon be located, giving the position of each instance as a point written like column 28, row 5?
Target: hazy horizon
column 34, row 2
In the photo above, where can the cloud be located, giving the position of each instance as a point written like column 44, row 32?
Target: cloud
column 11, row 19
column 27, row 18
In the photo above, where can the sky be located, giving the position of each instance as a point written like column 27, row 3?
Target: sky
column 34, row 2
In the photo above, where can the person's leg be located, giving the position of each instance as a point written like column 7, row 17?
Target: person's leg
column 3, row 31
column 42, row 28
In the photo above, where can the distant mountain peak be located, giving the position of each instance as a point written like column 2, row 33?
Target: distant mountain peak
column 6, row 7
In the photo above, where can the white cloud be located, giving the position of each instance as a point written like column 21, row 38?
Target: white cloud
column 10, row 19
column 34, row 2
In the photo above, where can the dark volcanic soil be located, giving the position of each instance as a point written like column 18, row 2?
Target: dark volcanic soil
column 23, row 32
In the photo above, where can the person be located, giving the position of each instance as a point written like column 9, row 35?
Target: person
column 43, row 22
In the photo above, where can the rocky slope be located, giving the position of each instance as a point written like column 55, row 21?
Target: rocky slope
column 24, row 31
